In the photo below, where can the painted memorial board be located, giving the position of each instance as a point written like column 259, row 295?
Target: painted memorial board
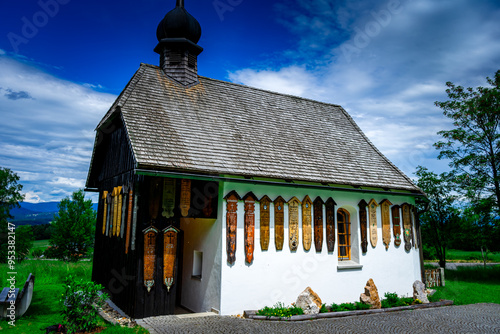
column 330, row 224
column 185, row 198
column 306, row 223
column 372, row 214
column 318, row 224
column 109, row 225
column 104, row 216
column 412, row 225
column 169, row 255
column 265, row 202
column 124, row 211
column 249, row 202
column 279, row 222
column 119, row 211
column 129, row 217
column 149, row 256
column 386, row 222
column 362, row 225
column 134, row 219
column 168, row 203
column 396, row 225
column 115, row 209
column 231, row 225
column 406, row 226
column 293, row 223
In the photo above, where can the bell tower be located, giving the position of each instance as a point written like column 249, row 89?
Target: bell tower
column 177, row 35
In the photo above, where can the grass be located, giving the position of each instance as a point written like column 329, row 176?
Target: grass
column 454, row 255
column 470, row 285
column 45, row 307
column 38, row 244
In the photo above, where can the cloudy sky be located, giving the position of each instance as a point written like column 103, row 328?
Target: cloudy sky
column 63, row 62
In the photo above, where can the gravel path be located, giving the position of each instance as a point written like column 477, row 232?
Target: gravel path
column 477, row 318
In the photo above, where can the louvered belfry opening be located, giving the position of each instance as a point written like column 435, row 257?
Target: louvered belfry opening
column 177, row 35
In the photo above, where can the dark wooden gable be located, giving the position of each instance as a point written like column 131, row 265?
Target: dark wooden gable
column 112, row 154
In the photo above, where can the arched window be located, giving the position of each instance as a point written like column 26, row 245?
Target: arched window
column 344, row 234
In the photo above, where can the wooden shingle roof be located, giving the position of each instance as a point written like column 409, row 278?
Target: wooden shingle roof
column 223, row 128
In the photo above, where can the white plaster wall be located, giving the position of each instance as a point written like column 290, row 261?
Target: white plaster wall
column 279, row 276
column 203, row 235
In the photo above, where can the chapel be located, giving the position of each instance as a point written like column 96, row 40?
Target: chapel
column 215, row 196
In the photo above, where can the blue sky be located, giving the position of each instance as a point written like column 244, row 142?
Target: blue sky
column 63, row 62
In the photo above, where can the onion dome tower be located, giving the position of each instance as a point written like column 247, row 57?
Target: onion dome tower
column 177, row 35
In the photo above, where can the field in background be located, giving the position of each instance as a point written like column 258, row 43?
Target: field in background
column 45, row 307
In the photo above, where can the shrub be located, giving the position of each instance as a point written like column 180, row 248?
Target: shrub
column 37, row 253
column 280, row 310
column 324, row 309
column 361, row 306
column 334, row 308
column 51, row 252
column 80, row 300
column 393, row 300
column 347, row 307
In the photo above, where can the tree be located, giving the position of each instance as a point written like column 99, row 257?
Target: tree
column 10, row 196
column 479, row 217
column 73, row 227
column 473, row 146
column 439, row 222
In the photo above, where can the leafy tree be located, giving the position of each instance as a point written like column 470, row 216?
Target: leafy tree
column 10, row 196
column 473, row 146
column 24, row 241
column 73, row 227
column 480, row 219
column 441, row 219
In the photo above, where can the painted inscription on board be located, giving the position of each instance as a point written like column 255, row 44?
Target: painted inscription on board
column 265, row 202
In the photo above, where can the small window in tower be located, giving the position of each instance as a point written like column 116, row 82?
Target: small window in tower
column 197, row 264
column 175, row 57
column 191, row 60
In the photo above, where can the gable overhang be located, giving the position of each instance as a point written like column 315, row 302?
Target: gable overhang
column 277, row 182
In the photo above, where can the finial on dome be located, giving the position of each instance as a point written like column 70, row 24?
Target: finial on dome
column 178, row 23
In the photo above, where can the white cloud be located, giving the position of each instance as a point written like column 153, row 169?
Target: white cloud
column 48, row 138
column 290, row 80
column 32, row 197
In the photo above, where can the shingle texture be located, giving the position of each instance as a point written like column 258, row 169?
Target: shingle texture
column 224, row 128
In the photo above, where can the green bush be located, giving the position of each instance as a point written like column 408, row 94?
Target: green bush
column 80, row 300
column 393, row 300
column 37, row 253
column 280, row 310
column 347, row 307
column 361, row 306
column 323, row 309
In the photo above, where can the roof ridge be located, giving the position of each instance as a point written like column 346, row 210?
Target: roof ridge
column 255, row 88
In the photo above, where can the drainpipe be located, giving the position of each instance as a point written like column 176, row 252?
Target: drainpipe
column 419, row 236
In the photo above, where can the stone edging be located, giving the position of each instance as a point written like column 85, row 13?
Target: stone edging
column 252, row 314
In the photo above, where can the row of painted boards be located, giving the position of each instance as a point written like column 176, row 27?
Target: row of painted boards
column 308, row 214
column 116, row 218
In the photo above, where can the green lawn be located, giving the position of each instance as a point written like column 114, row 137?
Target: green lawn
column 45, row 307
column 454, row 255
column 470, row 285
column 470, row 256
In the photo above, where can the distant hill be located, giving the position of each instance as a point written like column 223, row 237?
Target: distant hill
column 36, row 213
